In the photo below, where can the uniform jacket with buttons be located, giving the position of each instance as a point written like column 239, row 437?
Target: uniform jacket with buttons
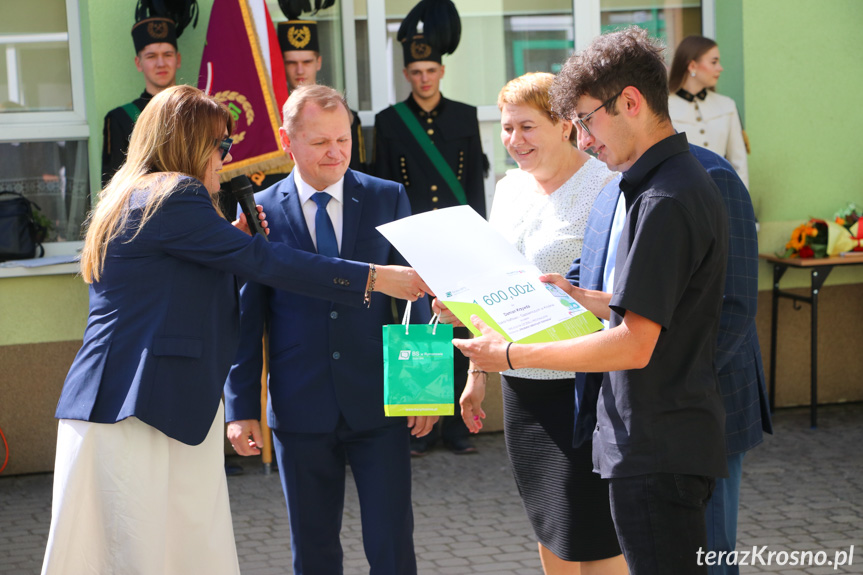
column 163, row 323
column 116, row 132
column 712, row 123
column 326, row 358
column 453, row 128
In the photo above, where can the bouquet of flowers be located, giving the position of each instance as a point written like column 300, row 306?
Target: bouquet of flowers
column 819, row 239
column 846, row 233
column 808, row 240
column 847, row 216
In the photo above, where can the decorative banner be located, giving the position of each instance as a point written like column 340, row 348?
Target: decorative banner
column 277, row 67
column 234, row 71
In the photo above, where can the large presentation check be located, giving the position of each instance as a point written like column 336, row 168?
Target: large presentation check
column 473, row 270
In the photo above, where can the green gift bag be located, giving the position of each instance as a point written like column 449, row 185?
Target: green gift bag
column 418, row 368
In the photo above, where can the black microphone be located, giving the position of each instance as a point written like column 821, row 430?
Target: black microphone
column 241, row 189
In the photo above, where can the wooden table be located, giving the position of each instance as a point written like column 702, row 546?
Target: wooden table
column 819, row 269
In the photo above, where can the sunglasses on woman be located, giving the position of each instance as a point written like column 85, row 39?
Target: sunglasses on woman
column 224, row 146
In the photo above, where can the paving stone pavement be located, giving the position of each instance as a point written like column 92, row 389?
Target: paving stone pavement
column 802, row 491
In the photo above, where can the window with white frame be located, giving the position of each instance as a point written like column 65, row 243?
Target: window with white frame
column 43, row 128
column 668, row 20
column 501, row 39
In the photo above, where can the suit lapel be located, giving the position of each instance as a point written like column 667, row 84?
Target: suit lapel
column 353, row 196
column 600, row 221
column 611, row 200
column 297, row 227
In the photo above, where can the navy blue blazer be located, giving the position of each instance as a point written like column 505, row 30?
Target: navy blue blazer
column 738, row 357
column 586, row 272
column 163, row 322
column 326, row 358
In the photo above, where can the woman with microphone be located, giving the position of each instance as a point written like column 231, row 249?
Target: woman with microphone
column 139, row 482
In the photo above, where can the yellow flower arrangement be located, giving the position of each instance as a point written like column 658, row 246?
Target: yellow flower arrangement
column 819, row 239
column 800, row 235
column 807, row 240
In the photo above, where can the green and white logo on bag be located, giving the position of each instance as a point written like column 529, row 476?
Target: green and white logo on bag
column 408, row 354
column 418, row 369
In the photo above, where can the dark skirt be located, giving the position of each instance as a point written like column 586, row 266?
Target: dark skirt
column 566, row 502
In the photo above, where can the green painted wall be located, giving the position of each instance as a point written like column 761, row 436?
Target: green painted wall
column 803, row 77
column 729, row 36
column 802, row 74
column 42, row 309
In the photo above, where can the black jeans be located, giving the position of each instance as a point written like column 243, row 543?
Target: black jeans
column 659, row 520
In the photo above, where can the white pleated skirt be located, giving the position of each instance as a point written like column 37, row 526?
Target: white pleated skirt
column 130, row 500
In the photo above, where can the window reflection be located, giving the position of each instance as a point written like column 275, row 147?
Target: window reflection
column 35, row 73
column 538, row 43
column 35, row 76
column 502, row 39
column 667, row 20
column 496, row 45
column 54, row 175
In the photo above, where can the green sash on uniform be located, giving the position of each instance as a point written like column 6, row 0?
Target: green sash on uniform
column 132, row 111
column 433, row 154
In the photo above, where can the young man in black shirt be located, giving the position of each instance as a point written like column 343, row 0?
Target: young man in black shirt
column 659, row 437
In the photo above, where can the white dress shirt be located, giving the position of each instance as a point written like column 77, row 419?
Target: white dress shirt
column 613, row 241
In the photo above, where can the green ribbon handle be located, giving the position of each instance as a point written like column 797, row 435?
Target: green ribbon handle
column 433, row 154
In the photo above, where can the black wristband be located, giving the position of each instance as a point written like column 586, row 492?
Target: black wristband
column 508, row 362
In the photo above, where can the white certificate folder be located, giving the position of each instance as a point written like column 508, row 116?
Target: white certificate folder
column 474, row 270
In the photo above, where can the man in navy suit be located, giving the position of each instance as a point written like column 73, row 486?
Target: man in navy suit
column 326, row 359
column 738, row 358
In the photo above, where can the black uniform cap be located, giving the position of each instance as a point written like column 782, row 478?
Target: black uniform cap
column 162, row 21
column 296, row 34
column 441, row 31
column 417, row 49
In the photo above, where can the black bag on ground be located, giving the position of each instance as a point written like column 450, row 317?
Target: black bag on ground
column 19, row 232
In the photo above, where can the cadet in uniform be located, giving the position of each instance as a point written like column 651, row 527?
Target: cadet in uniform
column 431, row 145
column 451, row 127
column 298, row 40
column 155, row 36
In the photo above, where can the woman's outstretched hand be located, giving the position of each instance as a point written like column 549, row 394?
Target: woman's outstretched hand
column 400, row 282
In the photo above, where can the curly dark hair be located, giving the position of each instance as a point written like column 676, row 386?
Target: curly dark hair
column 608, row 65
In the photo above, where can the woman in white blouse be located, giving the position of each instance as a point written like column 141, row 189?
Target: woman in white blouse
column 710, row 120
column 542, row 209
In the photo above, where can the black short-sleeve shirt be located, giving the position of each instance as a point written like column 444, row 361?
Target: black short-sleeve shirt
column 670, row 268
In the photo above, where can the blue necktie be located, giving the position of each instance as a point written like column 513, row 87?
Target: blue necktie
column 325, row 234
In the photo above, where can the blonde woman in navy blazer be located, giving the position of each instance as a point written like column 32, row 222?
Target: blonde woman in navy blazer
column 139, row 483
